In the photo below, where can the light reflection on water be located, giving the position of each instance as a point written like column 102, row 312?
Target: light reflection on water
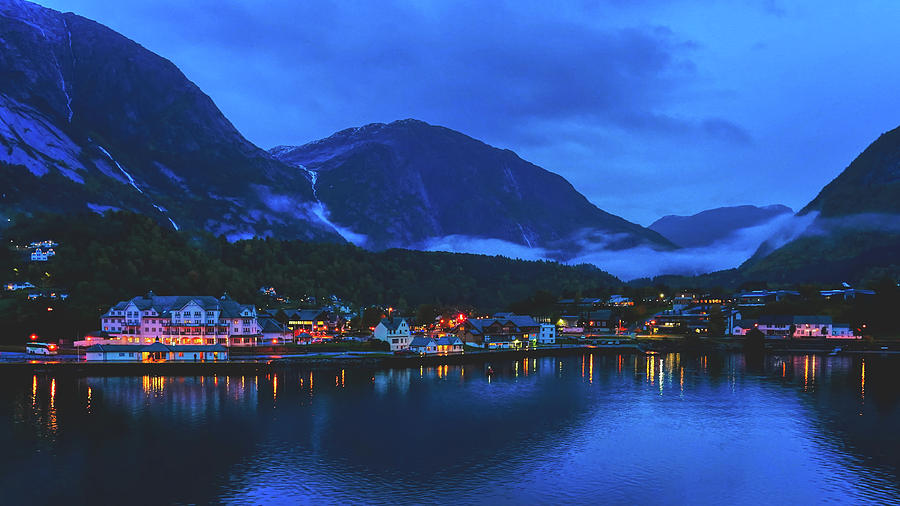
column 594, row 428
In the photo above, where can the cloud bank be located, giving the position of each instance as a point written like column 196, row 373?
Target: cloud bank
column 643, row 261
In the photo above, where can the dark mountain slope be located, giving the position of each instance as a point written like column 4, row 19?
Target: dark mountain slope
column 713, row 225
column 126, row 129
column 421, row 182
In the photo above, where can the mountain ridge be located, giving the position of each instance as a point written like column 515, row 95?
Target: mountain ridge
column 712, row 225
column 430, row 166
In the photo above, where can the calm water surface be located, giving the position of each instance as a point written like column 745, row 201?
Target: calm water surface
column 678, row 428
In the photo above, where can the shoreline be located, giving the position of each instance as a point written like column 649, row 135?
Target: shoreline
column 267, row 365
column 263, row 366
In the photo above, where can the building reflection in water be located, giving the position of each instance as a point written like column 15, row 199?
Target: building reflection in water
column 194, row 400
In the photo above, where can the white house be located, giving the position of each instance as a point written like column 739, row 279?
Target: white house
column 804, row 326
column 441, row 345
column 423, row 345
column 42, row 255
column 394, row 331
column 842, row 331
column 547, row 334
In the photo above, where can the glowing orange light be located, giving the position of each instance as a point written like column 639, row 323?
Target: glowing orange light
column 33, row 337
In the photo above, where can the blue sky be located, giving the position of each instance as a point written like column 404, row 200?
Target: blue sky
column 648, row 107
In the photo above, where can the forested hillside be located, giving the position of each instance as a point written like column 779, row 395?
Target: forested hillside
column 102, row 259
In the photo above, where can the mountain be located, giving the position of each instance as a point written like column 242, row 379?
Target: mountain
column 855, row 225
column 714, row 225
column 427, row 187
column 870, row 185
column 91, row 120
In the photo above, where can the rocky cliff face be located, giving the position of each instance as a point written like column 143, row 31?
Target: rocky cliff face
column 409, row 184
column 91, row 120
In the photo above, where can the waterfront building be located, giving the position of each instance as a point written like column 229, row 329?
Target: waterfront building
column 450, row 344
column 503, row 330
column 441, row 345
column 394, row 331
column 423, row 345
column 156, row 352
column 803, row 326
column 182, row 320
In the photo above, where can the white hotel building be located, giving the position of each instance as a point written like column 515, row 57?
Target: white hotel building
column 182, row 320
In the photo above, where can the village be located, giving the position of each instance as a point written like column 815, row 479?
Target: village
column 155, row 328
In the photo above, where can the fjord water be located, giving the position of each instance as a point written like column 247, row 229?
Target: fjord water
column 677, row 428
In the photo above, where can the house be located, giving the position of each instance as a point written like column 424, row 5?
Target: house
column 442, row 345
column 95, row 337
column 182, row 320
column 763, row 297
column 394, row 331
column 11, row 287
column 547, row 334
column 812, row 326
column 569, row 324
column 156, row 352
column 42, row 255
column 580, row 305
column 274, row 332
column 804, row 326
column 845, row 294
column 619, row 301
column 450, row 344
column 43, row 244
column 316, row 322
column 683, row 320
column 601, row 322
column 741, row 327
column 842, row 331
column 423, row 345
column 503, row 330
